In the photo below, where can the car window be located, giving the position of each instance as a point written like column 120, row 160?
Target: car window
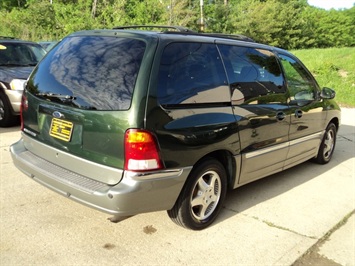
column 300, row 84
column 192, row 73
column 86, row 72
column 253, row 73
column 20, row 54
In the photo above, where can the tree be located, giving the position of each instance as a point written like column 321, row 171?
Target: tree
column 273, row 22
column 10, row 4
column 334, row 28
column 290, row 24
column 143, row 12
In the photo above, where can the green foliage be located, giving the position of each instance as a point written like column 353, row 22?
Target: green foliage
column 72, row 17
column 290, row 24
column 10, row 4
column 143, row 12
column 220, row 17
column 333, row 68
column 333, row 28
column 181, row 13
column 275, row 23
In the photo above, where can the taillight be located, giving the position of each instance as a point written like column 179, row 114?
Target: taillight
column 141, row 151
column 23, row 107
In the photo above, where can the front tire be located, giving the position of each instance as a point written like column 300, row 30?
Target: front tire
column 7, row 119
column 202, row 197
column 327, row 145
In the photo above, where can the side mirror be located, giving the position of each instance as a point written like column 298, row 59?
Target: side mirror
column 327, row 93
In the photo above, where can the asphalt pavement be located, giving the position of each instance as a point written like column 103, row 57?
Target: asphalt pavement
column 302, row 216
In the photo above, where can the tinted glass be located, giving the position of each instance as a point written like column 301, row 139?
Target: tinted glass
column 20, row 54
column 300, row 83
column 87, row 72
column 192, row 73
column 252, row 73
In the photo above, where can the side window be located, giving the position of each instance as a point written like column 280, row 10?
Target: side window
column 254, row 75
column 192, row 73
column 299, row 82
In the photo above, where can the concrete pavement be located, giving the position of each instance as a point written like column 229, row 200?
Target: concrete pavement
column 303, row 216
column 340, row 246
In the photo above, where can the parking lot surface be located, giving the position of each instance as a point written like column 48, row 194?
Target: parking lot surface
column 279, row 220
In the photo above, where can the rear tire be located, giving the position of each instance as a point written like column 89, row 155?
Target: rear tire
column 202, row 197
column 327, row 145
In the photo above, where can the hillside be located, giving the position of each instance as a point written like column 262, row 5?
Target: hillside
column 333, row 68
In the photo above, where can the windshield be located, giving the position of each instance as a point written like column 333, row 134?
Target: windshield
column 89, row 72
column 20, row 54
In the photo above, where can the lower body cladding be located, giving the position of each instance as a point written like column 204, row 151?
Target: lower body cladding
column 135, row 193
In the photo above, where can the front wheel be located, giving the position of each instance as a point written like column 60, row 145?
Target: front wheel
column 202, row 197
column 6, row 117
column 327, row 145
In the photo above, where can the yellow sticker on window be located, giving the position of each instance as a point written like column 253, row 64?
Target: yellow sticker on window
column 2, row 47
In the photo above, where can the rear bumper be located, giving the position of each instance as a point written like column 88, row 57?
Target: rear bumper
column 135, row 193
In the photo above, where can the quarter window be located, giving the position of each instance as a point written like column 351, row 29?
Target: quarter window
column 192, row 73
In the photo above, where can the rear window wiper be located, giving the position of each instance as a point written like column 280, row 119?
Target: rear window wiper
column 29, row 64
column 56, row 95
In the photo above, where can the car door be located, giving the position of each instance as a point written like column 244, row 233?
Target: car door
column 306, row 109
column 194, row 117
column 259, row 101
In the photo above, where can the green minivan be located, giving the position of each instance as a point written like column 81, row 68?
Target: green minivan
column 129, row 121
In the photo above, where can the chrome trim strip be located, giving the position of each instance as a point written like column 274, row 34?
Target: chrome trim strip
column 33, row 134
column 256, row 153
column 266, row 150
column 303, row 139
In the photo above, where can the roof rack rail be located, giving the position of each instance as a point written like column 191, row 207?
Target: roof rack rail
column 179, row 29
column 174, row 28
column 230, row 36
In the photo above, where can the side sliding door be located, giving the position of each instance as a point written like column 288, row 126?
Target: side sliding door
column 259, row 100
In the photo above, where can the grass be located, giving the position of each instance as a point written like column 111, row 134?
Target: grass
column 333, row 68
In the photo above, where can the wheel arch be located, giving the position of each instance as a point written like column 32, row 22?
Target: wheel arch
column 226, row 158
column 184, row 211
column 335, row 121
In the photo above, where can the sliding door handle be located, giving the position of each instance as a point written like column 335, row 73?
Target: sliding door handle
column 298, row 113
column 280, row 116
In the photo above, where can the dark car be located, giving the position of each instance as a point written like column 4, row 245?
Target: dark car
column 17, row 60
column 130, row 121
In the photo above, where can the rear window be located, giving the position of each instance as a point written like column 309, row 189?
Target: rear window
column 90, row 72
